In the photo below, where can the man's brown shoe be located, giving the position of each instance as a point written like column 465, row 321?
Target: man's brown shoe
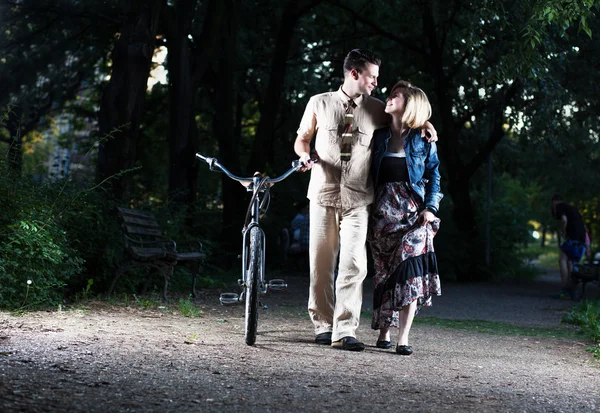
column 348, row 343
column 323, row 338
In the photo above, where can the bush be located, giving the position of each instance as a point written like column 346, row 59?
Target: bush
column 93, row 228
column 36, row 257
column 462, row 256
column 48, row 231
column 36, row 262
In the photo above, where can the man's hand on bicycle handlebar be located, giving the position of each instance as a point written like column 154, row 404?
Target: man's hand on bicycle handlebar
column 307, row 160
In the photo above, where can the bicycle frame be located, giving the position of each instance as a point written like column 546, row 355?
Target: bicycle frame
column 254, row 222
column 257, row 185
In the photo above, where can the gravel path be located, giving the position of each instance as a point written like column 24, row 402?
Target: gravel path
column 120, row 359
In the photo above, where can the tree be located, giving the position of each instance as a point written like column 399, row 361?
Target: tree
column 42, row 64
column 293, row 10
column 122, row 103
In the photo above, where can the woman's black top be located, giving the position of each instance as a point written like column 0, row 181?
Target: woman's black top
column 393, row 169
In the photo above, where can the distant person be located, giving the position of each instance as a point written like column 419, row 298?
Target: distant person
column 300, row 231
column 588, row 244
column 572, row 230
column 340, row 192
column 402, row 225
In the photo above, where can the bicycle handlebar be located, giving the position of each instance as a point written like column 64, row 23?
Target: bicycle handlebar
column 214, row 163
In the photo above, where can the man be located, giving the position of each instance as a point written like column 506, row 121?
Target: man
column 340, row 192
column 572, row 229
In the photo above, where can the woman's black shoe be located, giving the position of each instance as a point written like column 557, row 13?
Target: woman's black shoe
column 404, row 350
column 383, row 344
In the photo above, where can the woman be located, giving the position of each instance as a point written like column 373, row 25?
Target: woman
column 405, row 171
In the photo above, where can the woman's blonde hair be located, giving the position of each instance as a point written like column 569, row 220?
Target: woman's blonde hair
column 417, row 109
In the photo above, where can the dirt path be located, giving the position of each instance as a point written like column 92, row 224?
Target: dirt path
column 116, row 359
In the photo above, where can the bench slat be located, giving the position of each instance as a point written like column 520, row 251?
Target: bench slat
column 150, row 254
column 186, row 256
column 133, row 230
column 145, row 222
column 136, row 213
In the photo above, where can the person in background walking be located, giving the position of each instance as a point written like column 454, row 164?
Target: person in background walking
column 572, row 229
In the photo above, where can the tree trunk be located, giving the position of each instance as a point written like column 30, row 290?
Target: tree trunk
column 224, row 126
column 544, row 230
column 265, row 132
column 15, row 141
column 269, row 109
column 122, row 103
column 458, row 184
column 183, row 132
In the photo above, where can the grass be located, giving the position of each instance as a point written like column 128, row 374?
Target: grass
column 547, row 256
column 586, row 315
column 188, row 309
column 492, row 327
column 549, row 259
column 498, row 328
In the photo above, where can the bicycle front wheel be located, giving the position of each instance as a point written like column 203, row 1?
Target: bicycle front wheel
column 252, row 284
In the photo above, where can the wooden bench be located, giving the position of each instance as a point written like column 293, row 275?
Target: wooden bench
column 146, row 246
column 589, row 271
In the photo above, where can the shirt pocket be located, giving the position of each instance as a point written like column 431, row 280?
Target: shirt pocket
column 418, row 155
column 333, row 133
column 364, row 137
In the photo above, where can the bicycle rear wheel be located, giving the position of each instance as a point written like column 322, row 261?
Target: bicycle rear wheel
column 252, row 284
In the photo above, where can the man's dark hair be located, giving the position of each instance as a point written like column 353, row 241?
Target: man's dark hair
column 556, row 197
column 357, row 59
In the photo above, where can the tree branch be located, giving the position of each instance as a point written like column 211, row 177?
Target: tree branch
column 304, row 7
column 495, row 136
column 450, row 22
column 407, row 44
column 482, row 105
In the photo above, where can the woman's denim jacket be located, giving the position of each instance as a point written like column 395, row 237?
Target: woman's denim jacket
column 422, row 162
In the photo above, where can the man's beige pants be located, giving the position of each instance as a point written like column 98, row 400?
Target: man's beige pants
column 337, row 312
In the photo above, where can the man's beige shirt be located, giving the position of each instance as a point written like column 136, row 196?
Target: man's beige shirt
column 333, row 182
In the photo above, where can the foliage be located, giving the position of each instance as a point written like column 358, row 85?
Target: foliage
column 509, row 232
column 49, row 51
column 187, row 308
column 562, row 14
column 37, row 256
column 586, row 315
column 509, row 226
column 545, row 257
column 60, row 235
column 89, row 219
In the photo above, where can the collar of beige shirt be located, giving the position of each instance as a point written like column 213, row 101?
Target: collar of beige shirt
column 344, row 97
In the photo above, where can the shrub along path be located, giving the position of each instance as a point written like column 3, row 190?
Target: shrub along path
column 111, row 358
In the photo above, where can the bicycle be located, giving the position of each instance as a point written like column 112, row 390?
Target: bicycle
column 252, row 283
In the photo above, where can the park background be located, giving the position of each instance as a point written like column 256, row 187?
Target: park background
column 105, row 103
